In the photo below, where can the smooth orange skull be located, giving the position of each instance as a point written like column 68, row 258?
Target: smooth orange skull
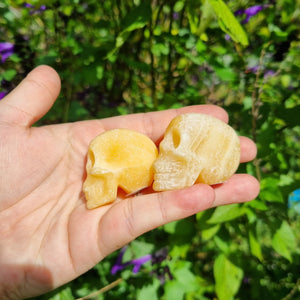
column 118, row 158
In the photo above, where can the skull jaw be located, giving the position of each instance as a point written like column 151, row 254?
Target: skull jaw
column 175, row 171
column 101, row 185
column 100, row 190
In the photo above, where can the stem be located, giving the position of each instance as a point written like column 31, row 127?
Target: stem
column 103, row 290
column 256, row 103
column 160, row 8
column 169, row 72
column 293, row 291
column 152, row 69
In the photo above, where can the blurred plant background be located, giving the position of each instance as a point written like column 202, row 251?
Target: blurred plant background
column 119, row 57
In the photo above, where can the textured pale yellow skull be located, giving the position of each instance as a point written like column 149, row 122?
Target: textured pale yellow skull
column 196, row 148
column 118, row 158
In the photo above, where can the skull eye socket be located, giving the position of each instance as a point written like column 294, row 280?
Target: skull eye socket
column 176, row 138
column 91, row 158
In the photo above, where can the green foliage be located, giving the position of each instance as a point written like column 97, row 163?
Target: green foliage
column 284, row 241
column 119, row 57
column 228, row 277
column 228, row 22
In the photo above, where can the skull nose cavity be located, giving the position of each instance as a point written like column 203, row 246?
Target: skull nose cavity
column 91, row 158
column 176, row 138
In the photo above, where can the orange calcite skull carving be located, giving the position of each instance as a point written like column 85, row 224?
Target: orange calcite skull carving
column 118, row 158
column 196, row 148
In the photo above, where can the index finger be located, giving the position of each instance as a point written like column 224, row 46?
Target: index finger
column 153, row 124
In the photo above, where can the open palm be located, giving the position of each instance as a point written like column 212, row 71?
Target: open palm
column 47, row 236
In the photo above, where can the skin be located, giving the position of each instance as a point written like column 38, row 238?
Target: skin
column 47, row 235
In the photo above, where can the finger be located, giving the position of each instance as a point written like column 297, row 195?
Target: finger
column 154, row 124
column 248, row 149
column 32, row 98
column 239, row 188
column 127, row 219
column 134, row 216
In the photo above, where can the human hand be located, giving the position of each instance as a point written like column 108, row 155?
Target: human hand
column 47, row 235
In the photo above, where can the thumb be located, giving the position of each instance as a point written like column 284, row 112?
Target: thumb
column 32, row 98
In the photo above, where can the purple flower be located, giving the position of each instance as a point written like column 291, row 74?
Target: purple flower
column 33, row 9
column 253, row 69
column 247, row 280
column 6, row 50
column 42, row 8
column 155, row 258
column 267, row 72
column 2, row 95
column 250, row 12
column 28, row 5
column 239, row 12
column 137, row 263
column 176, row 16
column 227, row 37
column 119, row 266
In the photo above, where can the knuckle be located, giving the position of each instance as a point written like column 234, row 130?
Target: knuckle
column 129, row 218
column 162, row 208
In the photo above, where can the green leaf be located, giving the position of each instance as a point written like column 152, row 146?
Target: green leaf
column 226, row 74
column 67, row 10
column 257, row 204
column 137, row 18
column 285, row 180
column 170, row 227
column 224, row 246
column 184, row 281
column 65, row 294
column 192, row 16
column 210, row 232
column 226, row 213
column 186, row 278
column 255, row 245
column 284, row 242
column 180, row 251
column 15, row 58
column 140, row 248
column 9, row 74
column 173, row 290
column 178, row 6
column 99, row 72
column 270, row 191
column 206, row 17
column 160, row 49
column 148, row 291
column 228, row 277
column 228, row 23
